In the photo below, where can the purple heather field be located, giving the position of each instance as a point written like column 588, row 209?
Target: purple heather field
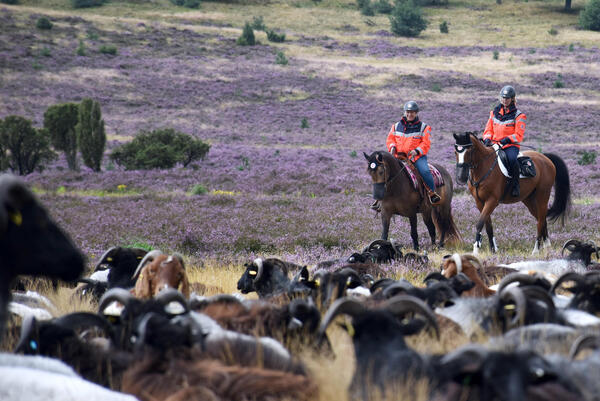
column 275, row 187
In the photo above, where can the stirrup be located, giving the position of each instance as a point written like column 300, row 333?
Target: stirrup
column 434, row 198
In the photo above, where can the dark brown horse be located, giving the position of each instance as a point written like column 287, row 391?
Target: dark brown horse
column 477, row 164
column 393, row 187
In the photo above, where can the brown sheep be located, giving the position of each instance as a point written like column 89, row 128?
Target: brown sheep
column 190, row 378
column 471, row 267
column 161, row 272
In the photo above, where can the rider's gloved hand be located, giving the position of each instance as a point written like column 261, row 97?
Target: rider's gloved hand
column 505, row 141
column 413, row 153
column 487, row 142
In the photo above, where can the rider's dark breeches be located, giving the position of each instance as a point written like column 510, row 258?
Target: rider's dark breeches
column 511, row 154
column 423, row 168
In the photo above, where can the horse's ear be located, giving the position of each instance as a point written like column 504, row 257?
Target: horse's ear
column 379, row 158
column 455, row 136
column 366, row 156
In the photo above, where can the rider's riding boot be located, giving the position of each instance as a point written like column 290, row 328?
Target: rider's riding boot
column 515, row 180
column 434, row 198
column 376, row 206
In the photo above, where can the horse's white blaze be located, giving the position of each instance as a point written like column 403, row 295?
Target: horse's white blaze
column 461, row 156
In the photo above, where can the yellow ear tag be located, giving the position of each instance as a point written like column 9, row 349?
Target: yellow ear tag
column 16, row 218
column 109, row 259
column 141, row 276
column 348, row 280
column 252, row 272
column 350, row 329
column 509, row 307
column 317, row 283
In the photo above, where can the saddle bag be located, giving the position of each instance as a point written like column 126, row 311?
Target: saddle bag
column 526, row 165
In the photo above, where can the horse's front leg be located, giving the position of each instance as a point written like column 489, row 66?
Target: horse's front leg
column 385, row 223
column 413, row 231
column 489, row 229
column 486, row 210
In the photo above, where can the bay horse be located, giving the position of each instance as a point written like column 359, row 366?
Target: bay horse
column 477, row 166
column 392, row 185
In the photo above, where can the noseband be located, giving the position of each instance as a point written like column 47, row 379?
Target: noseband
column 471, row 166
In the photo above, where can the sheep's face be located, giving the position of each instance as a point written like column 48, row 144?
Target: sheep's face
column 449, row 268
column 246, row 282
column 32, row 243
column 169, row 274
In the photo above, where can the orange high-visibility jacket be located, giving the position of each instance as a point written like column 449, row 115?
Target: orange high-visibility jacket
column 498, row 128
column 405, row 137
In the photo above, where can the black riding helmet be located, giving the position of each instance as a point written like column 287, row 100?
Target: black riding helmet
column 411, row 105
column 508, row 92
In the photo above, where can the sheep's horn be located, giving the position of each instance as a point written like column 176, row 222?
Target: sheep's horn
column 396, row 288
column 149, row 257
column 87, row 280
column 596, row 249
column 260, row 268
column 114, row 294
column 475, row 261
column 568, row 276
column 179, row 257
column 466, row 359
column 515, row 294
column 381, row 283
column 435, row 276
column 539, row 294
column 567, row 245
column 401, row 304
column 343, row 305
column 521, row 278
column 590, row 341
column 396, row 250
column 376, row 242
column 169, row 295
column 105, row 256
column 86, row 319
column 27, row 327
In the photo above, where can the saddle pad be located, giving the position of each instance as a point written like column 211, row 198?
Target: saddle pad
column 438, row 180
column 521, row 159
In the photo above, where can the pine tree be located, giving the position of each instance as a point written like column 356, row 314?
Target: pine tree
column 90, row 133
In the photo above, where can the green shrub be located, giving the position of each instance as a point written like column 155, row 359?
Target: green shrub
column 587, row 158
column 81, row 48
column 43, row 23
column 91, row 136
column 108, row 49
column 353, row 154
column 589, row 17
column 383, row 7
column 304, row 123
column 496, row 54
column 444, row 27
column 281, row 59
column 559, row 82
column 571, row 47
column 92, row 34
column 247, row 38
column 45, row 52
column 368, row 10
column 159, row 149
column 60, row 121
column 360, row 4
column 11, row 2
column 436, row 87
column 24, row 148
column 191, row 3
column 86, row 3
column 258, row 24
column 553, row 32
column 273, row 36
column 199, row 189
column 407, row 19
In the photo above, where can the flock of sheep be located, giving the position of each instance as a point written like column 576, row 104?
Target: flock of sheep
column 154, row 337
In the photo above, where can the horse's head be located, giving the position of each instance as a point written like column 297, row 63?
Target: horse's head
column 463, row 148
column 377, row 170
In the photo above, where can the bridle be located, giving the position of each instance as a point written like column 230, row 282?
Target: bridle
column 471, row 166
column 389, row 180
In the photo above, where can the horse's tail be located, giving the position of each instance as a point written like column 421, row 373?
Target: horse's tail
column 443, row 221
column 562, row 190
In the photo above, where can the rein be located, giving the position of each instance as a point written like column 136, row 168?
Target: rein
column 487, row 174
column 391, row 180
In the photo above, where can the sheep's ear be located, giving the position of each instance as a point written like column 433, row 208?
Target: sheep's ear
column 304, row 274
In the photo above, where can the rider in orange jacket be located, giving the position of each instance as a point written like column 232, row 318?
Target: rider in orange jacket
column 412, row 137
column 506, row 126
